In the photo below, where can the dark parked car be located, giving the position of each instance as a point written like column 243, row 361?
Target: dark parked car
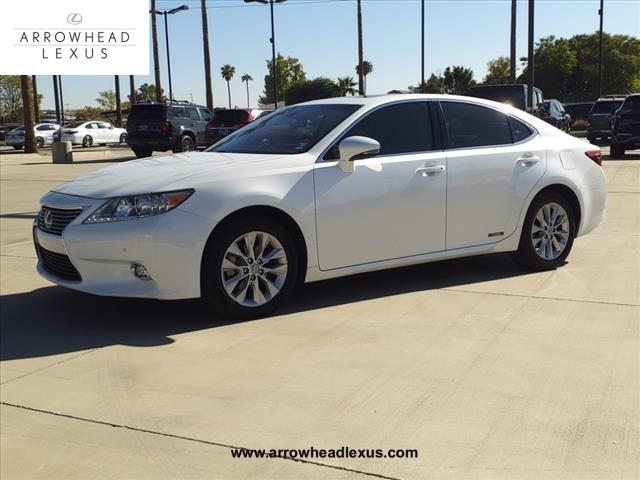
column 226, row 121
column 626, row 129
column 579, row 112
column 515, row 95
column 176, row 126
column 555, row 114
column 601, row 118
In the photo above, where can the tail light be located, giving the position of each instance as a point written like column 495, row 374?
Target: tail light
column 165, row 127
column 209, row 126
column 595, row 155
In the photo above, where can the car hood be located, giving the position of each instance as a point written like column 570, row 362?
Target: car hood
column 161, row 173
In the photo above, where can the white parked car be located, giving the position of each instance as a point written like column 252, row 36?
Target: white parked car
column 321, row 190
column 43, row 133
column 93, row 133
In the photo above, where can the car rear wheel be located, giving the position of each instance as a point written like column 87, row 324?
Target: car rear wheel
column 617, row 151
column 39, row 142
column 142, row 152
column 186, row 144
column 548, row 233
column 87, row 141
column 123, row 138
column 249, row 268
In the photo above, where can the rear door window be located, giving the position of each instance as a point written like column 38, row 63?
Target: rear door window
column 471, row 125
column 205, row 114
column 177, row 112
column 193, row 113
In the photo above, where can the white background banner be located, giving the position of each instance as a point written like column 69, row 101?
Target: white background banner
column 75, row 37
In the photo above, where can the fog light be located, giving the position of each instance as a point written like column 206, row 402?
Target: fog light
column 140, row 272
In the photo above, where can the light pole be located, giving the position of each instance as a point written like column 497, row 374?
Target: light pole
column 601, row 13
column 530, row 61
column 165, row 13
column 274, row 70
column 422, row 85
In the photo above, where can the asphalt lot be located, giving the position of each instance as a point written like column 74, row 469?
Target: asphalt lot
column 489, row 371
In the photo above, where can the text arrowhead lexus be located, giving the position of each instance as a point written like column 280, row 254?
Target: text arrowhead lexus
column 320, row 190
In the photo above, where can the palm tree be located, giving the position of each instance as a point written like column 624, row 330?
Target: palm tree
column 513, row 41
column 207, row 56
column 228, row 71
column 118, row 103
column 247, row 78
column 361, row 87
column 346, row 86
column 156, row 55
column 132, row 90
column 36, row 103
column 367, row 68
column 27, row 109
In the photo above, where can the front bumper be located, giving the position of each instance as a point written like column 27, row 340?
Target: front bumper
column 169, row 246
column 153, row 143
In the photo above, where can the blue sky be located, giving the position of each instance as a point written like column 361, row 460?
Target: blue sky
column 322, row 34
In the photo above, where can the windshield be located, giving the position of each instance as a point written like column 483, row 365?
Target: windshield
column 607, row 107
column 287, row 131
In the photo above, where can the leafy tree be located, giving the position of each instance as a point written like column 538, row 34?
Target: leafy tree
column 498, row 71
column 247, row 78
column 107, row 100
column 315, row 89
column 434, row 84
column 457, row 80
column 87, row 113
column 147, row 93
column 228, row 71
column 347, row 85
column 10, row 98
column 367, row 68
column 289, row 71
column 567, row 69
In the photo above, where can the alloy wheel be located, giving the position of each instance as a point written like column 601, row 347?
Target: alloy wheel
column 187, row 144
column 550, row 231
column 254, row 268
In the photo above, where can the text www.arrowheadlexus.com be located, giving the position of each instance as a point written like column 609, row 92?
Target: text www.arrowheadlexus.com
column 315, row 453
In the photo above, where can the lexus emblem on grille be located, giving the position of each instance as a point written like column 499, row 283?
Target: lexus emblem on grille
column 48, row 218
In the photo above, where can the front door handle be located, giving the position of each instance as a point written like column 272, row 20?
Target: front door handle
column 430, row 171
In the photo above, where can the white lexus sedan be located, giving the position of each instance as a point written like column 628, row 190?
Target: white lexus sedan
column 321, row 190
column 92, row 133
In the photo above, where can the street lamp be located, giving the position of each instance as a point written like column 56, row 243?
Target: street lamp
column 164, row 13
column 273, row 48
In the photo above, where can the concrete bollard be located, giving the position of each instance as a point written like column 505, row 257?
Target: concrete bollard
column 62, row 152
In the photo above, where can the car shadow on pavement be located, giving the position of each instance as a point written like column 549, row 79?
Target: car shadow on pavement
column 54, row 320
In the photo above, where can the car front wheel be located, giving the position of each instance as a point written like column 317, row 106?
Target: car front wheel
column 87, row 141
column 547, row 234
column 249, row 268
column 617, row 151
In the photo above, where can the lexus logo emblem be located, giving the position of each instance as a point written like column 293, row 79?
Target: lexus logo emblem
column 74, row 19
column 48, row 218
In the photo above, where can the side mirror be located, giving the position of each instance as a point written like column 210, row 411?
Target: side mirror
column 354, row 148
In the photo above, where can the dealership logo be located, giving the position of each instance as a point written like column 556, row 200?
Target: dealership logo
column 74, row 19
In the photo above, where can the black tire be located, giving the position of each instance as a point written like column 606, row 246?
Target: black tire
column 617, row 151
column 17, row 147
column 186, row 144
column 39, row 142
column 591, row 139
column 142, row 152
column 213, row 292
column 87, row 141
column 526, row 254
column 123, row 138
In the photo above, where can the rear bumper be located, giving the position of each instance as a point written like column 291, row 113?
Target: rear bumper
column 153, row 143
column 627, row 140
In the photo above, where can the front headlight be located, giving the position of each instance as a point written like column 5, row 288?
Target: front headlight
column 138, row 206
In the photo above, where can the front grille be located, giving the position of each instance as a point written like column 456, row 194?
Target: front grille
column 59, row 219
column 58, row 264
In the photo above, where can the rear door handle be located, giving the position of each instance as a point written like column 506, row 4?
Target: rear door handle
column 430, row 171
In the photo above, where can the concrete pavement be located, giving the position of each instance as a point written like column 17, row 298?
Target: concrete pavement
column 487, row 370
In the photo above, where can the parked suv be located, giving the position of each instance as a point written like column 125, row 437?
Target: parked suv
column 556, row 115
column 626, row 129
column 601, row 118
column 228, row 120
column 515, row 95
column 177, row 126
